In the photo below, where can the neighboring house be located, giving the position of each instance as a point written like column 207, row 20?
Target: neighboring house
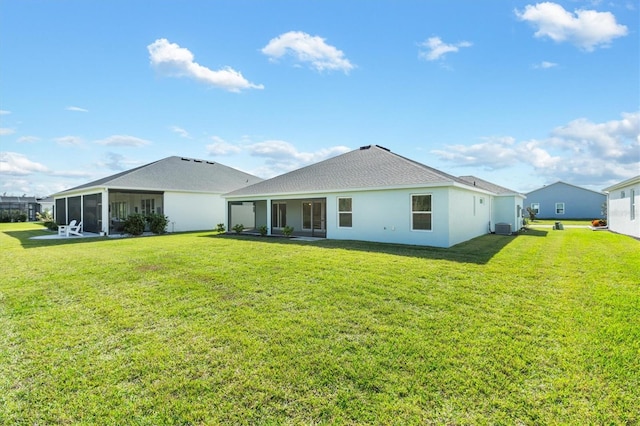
column 187, row 191
column 18, row 209
column 371, row 194
column 562, row 200
column 622, row 207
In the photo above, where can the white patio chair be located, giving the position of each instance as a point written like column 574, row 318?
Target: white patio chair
column 76, row 229
column 63, row 230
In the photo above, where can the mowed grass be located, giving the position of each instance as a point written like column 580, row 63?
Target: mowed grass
column 197, row 328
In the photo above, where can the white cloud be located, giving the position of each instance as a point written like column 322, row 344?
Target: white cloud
column 221, row 147
column 617, row 140
column 581, row 152
column 545, row 65
column 76, row 109
column 586, row 29
column 117, row 162
column 308, row 49
column 70, row 173
column 436, row 48
column 172, row 60
column 5, row 131
column 493, row 153
column 180, row 131
column 4, row 112
column 281, row 157
column 14, row 163
column 123, row 140
column 28, row 139
column 68, row 141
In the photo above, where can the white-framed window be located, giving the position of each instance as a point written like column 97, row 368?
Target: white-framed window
column 148, row 206
column 535, row 207
column 345, row 212
column 632, row 205
column 119, row 210
column 559, row 208
column 421, row 214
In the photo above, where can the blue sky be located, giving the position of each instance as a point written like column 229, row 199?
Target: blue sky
column 519, row 93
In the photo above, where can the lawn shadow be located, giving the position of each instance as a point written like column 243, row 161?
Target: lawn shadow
column 27, row 241
column 479, row 250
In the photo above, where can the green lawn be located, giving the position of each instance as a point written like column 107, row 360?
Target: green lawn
column 199, row 328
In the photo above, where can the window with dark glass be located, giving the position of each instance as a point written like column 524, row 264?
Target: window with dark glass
column 421, row 212
column 345, row 213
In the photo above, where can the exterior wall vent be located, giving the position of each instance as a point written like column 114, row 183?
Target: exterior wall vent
column 503, row 228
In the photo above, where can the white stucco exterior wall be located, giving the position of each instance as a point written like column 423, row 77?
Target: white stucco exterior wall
column 505, row 210
column 385, row 216
column 193, row 211
column 621, row 218
column 469, row 215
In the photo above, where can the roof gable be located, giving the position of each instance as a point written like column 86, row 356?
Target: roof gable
column 560, row 183
column 370, row 166
column 176, row 174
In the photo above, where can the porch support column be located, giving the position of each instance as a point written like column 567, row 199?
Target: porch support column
column 268, row 216
column 106, row 218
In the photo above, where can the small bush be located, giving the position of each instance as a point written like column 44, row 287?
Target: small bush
column 51, row 225
column 134, row 224
column 238, row 228
column 220, row 228
column 287, row 231
column 262, row 229
column 157, row 223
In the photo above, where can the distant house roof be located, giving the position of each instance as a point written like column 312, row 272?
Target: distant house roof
column 563, row 183
column 369, row 167
column 14, row 199
column 488, row 186
column 175, row 174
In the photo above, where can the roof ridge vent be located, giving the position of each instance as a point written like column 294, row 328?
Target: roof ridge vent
column 382, row 147
column 362, row 148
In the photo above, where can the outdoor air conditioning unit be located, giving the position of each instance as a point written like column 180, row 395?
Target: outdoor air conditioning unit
column 503, row 228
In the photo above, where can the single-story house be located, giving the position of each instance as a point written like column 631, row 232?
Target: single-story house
column 563, row 200
column 623, row 199
column 187, row 191
column 372, row 194
column 18, row 209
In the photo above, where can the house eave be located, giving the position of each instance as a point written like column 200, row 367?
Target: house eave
column 632, row 181
column 94, row 189
column 309, row 194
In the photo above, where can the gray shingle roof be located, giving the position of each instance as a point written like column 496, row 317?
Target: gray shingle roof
column 368, row 167
column 488, row 186
column 176, row 174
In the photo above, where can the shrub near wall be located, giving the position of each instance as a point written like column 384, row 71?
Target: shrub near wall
column 135, row 224
column 157, row 223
